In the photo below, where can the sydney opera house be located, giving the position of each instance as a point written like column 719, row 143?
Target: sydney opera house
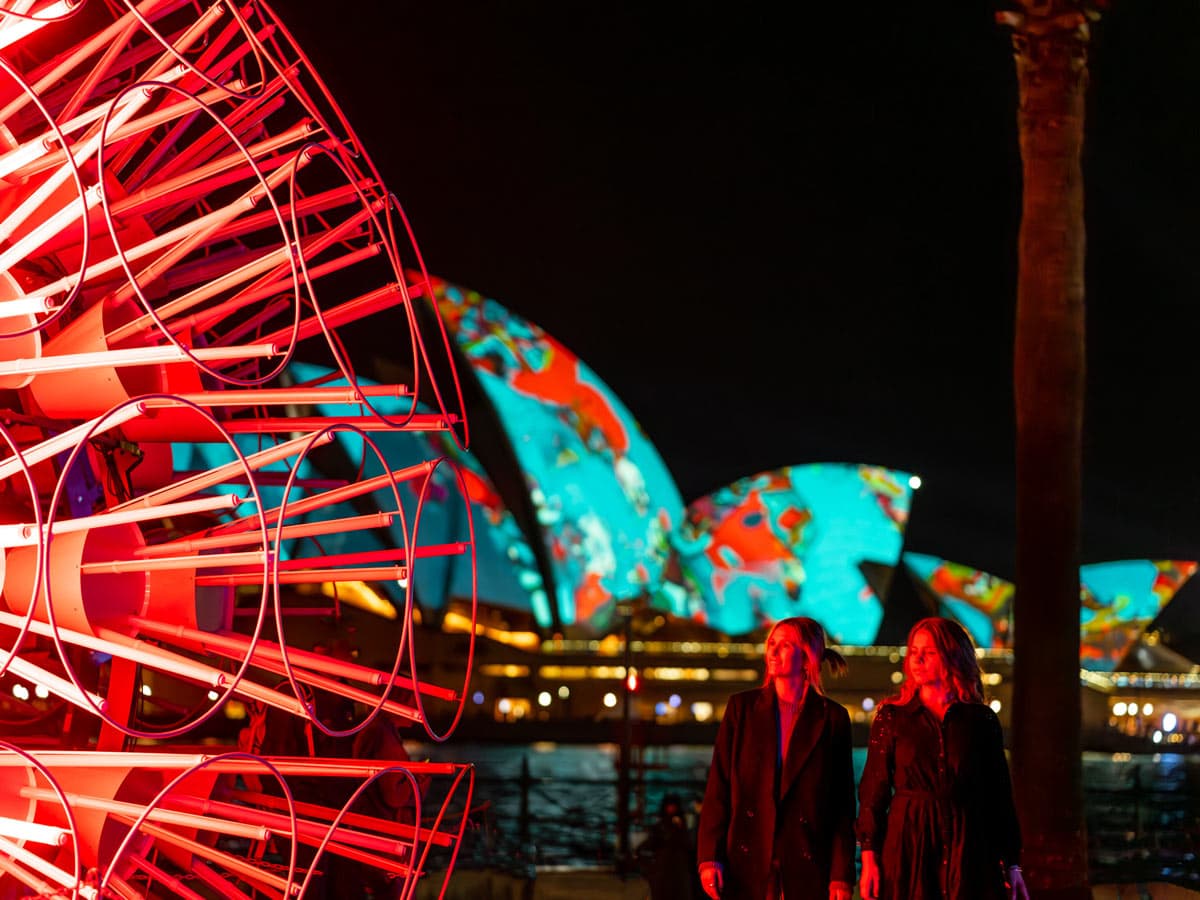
column 581, row 534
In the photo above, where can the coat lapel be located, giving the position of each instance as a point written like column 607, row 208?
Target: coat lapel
column 765, row 740
column 810, row 723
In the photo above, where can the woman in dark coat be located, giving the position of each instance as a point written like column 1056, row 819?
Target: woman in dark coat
column 935, row 795
column 778, row 812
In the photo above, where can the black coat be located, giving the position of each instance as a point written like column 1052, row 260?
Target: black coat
column 800, row 819
column 937, row 800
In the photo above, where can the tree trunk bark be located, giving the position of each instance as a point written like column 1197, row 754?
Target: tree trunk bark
column 1050, row 41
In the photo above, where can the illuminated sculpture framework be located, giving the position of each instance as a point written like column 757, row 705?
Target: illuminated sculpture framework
column 183, row 209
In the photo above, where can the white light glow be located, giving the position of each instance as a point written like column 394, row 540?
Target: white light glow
column 995, row 705
column 868, row 704
column 702, row 710
column 544, row 698
column 1119, row 708
column 914, row 482
column 1157, row 736
column 504, row 706
column 610, row 699
column 1169, row 722
column 563, row 692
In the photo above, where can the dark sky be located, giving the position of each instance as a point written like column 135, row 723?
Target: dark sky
column 788, row 235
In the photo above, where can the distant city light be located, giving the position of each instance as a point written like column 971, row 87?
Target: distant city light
column 868, row 704
column 674, row 701
column 1119, row 708
column 1157, row 736
column 1169, row 722
column 20, row 692
column 41, row 691
column 563, row 692
column 1148, row 709
column 914, row 482
column 504, row 706
column 1133, row 709
column 214, row 696
column 477, row 698
column 661, row 709
column 897, row 677
column 610, row 699
column 995, row 705
column 544, row 698
column 146, row 690
column 702, row 710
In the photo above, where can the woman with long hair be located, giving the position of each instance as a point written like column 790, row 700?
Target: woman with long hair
column 935, row 797
column 778, row 811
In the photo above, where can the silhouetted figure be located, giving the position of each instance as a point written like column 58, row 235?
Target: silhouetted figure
column 667, row 856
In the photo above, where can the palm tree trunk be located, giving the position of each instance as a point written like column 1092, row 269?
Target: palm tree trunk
column 1050, row 41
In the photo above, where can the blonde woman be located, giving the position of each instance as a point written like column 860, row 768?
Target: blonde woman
column 777, row 820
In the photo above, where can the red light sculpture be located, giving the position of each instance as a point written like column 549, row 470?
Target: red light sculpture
column 184, row 209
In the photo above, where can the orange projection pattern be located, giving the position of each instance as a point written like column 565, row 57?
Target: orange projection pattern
column 184, row 209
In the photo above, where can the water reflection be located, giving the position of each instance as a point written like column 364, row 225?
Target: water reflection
column 547, row 804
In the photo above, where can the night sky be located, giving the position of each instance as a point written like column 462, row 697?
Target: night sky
column 788, row 235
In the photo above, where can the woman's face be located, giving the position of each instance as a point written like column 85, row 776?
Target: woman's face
column 785, row 655
column 925, row 663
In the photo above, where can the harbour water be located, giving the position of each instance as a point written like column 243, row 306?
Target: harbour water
column 544, row 805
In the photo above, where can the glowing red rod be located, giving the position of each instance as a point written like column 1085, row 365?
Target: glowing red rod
column 176, row 563
column 132, row 356
column 202, row 180
column 416, row 422
column 21, row 830
column 426, row 835
column 289, row 532
column 351, row 311
column 308, row 576
column 26, row 535
column 61, row 687
column 324, row 767
column 268, row 261
column 238, row 646
column 328, row 498
column 156, row 814
column 281, row 824
column 283, row 396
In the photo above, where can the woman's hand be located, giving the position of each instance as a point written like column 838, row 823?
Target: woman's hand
column 839, row 890
column 1019, row 891
column 712, row 879
column 868, row 884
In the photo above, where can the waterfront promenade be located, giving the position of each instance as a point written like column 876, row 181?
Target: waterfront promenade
column 594, row 885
